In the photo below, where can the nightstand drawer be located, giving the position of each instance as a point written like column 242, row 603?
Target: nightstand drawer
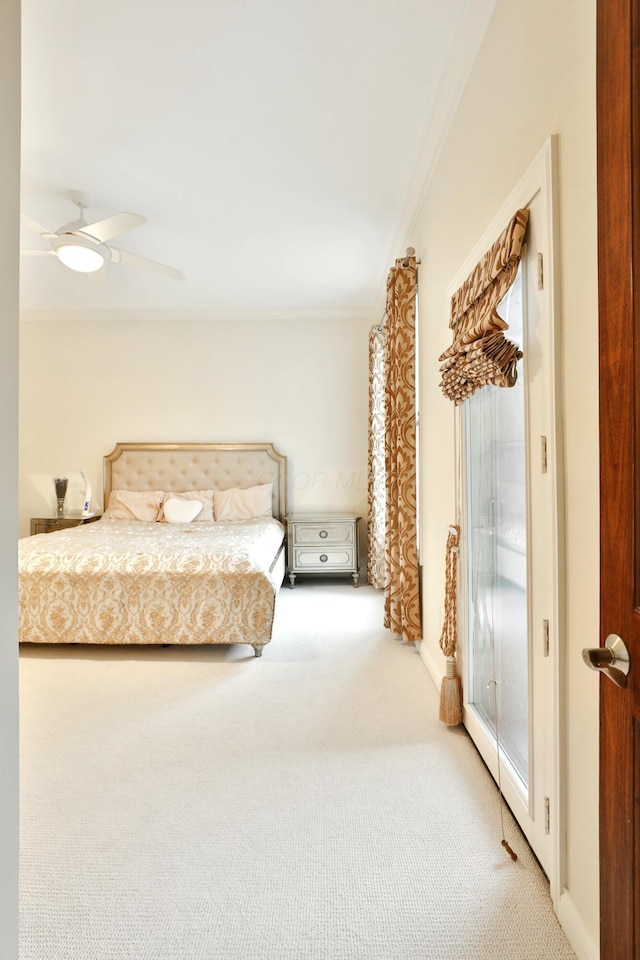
column 329, row 532
column 341, row 560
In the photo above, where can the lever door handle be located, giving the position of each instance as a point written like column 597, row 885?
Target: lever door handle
column 612, row 659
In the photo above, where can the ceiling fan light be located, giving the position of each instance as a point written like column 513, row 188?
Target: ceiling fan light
column 81, row 258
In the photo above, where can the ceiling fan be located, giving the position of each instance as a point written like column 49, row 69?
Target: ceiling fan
column 83, row 246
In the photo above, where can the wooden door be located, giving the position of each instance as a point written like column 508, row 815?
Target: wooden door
column 618, row 92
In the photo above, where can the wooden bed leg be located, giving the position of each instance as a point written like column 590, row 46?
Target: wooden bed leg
column 257, row 649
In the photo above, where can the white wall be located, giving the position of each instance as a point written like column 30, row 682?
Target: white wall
column 534, row 76
column 299, row 384
column 9, row 238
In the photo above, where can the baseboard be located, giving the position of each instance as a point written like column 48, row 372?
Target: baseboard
column 585, row 946
column 433, row 662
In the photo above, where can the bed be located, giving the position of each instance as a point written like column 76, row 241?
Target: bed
column 178, row 576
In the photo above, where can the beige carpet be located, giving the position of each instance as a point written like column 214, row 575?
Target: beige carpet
column 199, row 804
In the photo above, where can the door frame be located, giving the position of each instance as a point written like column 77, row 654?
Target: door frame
column 541, row 175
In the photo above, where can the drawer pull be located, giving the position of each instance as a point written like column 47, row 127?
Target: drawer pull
column 323, row 558
column 323, row 534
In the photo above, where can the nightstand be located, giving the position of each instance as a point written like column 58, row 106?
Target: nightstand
column 49, row 524
column 323, row 543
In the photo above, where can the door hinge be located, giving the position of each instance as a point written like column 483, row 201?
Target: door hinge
column 540, row 272
column 545, row 638
column 543, row 454
column 547, row 815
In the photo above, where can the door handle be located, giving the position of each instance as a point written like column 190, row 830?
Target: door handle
column 612, row 659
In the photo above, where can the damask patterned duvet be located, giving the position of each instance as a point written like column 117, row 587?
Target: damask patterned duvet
column 131, row 582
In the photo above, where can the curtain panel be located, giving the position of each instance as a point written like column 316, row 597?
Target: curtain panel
column 480, row 353
column 376, row 461
column 402, row 587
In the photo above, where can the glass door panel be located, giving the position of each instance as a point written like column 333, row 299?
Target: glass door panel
column 496, row 489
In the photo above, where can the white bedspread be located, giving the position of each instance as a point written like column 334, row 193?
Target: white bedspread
column 130, row 582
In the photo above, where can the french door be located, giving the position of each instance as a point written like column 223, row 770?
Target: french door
column 510, row 562
column 497, row 556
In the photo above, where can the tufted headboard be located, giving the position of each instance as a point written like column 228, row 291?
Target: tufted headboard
column 196, row 466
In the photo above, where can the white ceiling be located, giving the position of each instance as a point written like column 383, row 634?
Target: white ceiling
column 277, row 147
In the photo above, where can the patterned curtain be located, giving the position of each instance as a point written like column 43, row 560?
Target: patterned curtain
column 480, row 353
column 376, row 526
column 402, row 587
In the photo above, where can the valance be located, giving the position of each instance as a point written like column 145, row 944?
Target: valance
column 480, row 353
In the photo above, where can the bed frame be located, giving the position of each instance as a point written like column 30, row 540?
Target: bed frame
column 196, row 466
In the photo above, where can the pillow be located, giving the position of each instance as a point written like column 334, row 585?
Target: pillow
column 237, row 504
column 133, row 505
column 204, row 497
column 176, row 510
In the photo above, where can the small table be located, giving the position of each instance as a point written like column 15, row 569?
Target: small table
column 49, row 524
column 323, row 543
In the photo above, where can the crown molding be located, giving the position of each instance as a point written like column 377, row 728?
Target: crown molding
column 357, row 315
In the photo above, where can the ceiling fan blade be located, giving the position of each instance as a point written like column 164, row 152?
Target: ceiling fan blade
column 104, row 230
column 32, row 225
column 133, row 260
column 38, row 253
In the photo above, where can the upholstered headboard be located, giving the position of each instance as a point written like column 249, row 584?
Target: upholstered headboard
column 196, row 466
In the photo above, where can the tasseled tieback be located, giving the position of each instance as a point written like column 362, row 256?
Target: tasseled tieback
column 451, row 690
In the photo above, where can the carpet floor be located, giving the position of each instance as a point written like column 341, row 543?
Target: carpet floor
column 200, row 804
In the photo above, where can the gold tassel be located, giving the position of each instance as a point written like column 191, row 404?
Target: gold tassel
column 451, row 689
column 451, row 696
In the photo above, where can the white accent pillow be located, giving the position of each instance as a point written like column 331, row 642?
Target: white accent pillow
column 177, row 510
column 133, row 505
column 204, row 497
column 235, row 504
